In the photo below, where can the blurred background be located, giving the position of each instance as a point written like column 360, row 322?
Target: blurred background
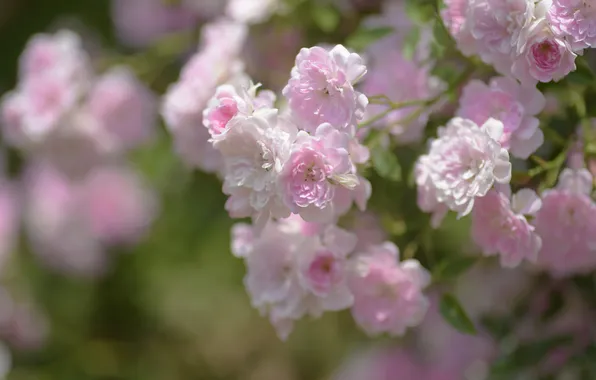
column 170, row 307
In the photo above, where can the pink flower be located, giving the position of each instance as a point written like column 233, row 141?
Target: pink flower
column 186, row 100
column 402, row 80
column 72, row 222
column 323, row 265
column 317, row 165
column 542, row 57
column 291, row 275
column 254, row 150
column 232, row 32
column 454, row 15
column 123, row 108
column 500, row 227
column 37, row 107
column 567, row 224
column 574, row 20
column 182, row 111
column 514, row 105
column 116, row 205
column 59, row 54
column 321, row 88
column 388, row 294
column 497, row 24
column 463, row 163
column 230, row 102
column 139, row 23
column 58, row 234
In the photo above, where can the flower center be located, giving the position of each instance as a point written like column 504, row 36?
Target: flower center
column 546, row 55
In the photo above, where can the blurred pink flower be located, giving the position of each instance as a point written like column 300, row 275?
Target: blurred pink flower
column 514, row 105
column 117, row 205
column 500, row 227
column 185, row 101
column 402, row 80
column 388, row 294
column 567, row 224
column 462, row 164
column 291, row 275
column 316, row 165
column 251, row 11
column 71, row 223
column 123, row 107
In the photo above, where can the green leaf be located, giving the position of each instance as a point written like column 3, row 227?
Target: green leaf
column 455, row 315
column 363, row 37
column 442, row 40
column 420, row 11
column 410, row 43
column 453, row 267
column 326, row 17
column 528, row 355
column 386, row 164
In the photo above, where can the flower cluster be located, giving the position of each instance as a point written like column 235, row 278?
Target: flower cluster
column 297, row 268
column 302, row 161
column 533, row 41
column 60, row 110
column 295, row 173
column 75, row 127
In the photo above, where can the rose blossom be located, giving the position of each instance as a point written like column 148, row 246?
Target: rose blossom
column 542, row 57
column 516, row 106
column 251, row 11
column 139, row 23
column 574, row 20
column 567, row 225
column 321, row 88
column 291, row 275
column 116, row 205
column 388, row 294
column 185, row 100
column 464, row 162
column 497, row 24
column 230, row 101
column 123, row 108
column 60, row 54
column 323, row 269
column 499, row 226
column 316, row 165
